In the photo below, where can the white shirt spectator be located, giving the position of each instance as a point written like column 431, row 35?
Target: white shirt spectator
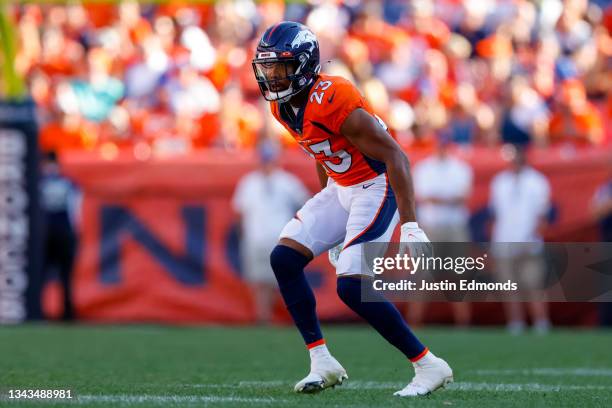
column 529, row 110
column 267, row 203
column 519, row 201
column 439, row 178
column 193, row 95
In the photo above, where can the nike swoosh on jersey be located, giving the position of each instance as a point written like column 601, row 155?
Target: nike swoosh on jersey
column 367, row 185
column 331, row 98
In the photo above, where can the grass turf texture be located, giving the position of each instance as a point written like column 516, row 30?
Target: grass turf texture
column 110, row 366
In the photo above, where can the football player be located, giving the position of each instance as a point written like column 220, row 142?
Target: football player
column 366, row 189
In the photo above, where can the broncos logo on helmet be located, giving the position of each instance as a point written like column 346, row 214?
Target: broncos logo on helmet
column 286, row 61
column 304, row 36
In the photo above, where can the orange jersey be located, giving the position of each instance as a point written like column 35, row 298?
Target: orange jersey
column 316, row 128
column 581, row 128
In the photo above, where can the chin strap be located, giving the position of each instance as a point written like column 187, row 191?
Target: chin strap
column 282, row 96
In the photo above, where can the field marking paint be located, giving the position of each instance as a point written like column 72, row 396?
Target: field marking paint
column 582, row 372
column 457, row 386
column 165, row 399
column 135, row 399
column 473, row 386
column 534, row 387
column 256, row 383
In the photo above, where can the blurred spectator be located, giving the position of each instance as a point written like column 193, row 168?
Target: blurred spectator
column 62, row 131
column 463, row 124
column 520, row 201
column 240, row 120
column 442, row 184
column 527, row 116
column 95, row 96
column 601, row 207
column 265, row 199
column 574, row 120
column 59, row 199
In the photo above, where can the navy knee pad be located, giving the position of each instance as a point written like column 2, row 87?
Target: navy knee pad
column 288, row 266
column 287, row 262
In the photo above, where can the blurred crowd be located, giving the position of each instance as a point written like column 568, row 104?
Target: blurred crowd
column 166, row 79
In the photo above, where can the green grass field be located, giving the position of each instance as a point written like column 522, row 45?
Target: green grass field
column 112, row 366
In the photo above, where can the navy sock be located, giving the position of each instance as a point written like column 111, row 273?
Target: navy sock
column 288, row 266
column 380, row 314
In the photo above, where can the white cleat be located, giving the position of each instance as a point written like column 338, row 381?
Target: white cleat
column 325, row 372
column 430, row 374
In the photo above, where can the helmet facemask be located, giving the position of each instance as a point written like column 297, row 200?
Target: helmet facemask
column 280, row 77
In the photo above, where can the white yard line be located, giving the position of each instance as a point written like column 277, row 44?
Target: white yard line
column 162, row 400
column 273, row 383
column 458, row 386
column 582, row 372
column 128, row 399
column 534, row 387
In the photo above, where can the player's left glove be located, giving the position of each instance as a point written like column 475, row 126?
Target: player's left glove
column 414, row 241
column 333, row 254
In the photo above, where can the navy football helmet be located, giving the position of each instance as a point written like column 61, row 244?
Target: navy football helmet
column 286, row 60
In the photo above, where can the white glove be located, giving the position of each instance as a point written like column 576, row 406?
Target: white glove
column 333, row 255
column 414, row 241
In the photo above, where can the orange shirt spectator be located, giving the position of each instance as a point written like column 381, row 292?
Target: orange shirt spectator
column 379, row 36
column 423, row 141
column 101, row 15
column 64, row 134
column 581, row 128
column 206, row 131
column 575, row 120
